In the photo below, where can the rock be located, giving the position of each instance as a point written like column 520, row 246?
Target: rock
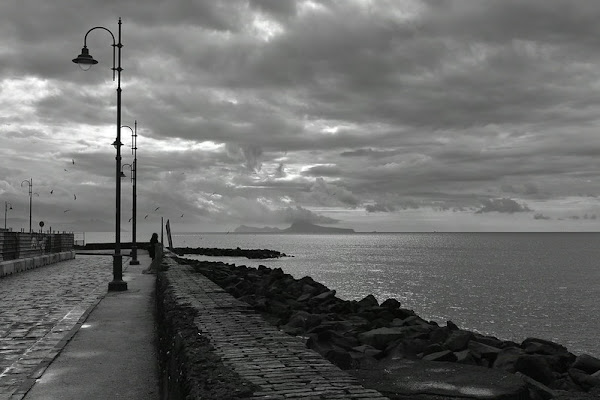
column 433, row 348
column 587, row 363
column 445, row 355
column 451, row 326
column 542, row 346
column 341, row 358
column 458, row 340
column 465, row 357
column 584, row 380
column 368, row 301
column 536, row 367
column 506, row 359
column 379, row 338
column 439, row 335
column 324, row 296
column 415, row 320
column 411, row 379
column 408, row 348
column 391, row 304
column 302, row 320
column 488, row 340
column 483, row 352
column 367, row 350
column 542, row 391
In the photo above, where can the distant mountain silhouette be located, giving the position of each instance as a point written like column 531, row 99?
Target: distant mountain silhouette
column 296, row 227
column 254, row 229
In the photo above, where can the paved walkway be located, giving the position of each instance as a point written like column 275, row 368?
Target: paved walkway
column 42, row 311
column 280, row 364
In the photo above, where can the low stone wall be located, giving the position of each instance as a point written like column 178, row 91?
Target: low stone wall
column 189, row 367
column 20, row 245
column 24, row 264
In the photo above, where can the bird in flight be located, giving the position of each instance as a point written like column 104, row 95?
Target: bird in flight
column 66, row 210
column 181, row 216
column 129, row 219
column 52, row 191
column 146, row 216
column 74, row 197
column 66, row 170
column 156, row 209
column 73, row 161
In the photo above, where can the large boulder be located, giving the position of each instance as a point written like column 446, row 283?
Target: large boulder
column 542, row 346
column 584, row 380
column 379, row 338
column 506, row 359
column 458, row 340
column 536, row 367
column 444, row 355
column 587, row 363
column 368, row 301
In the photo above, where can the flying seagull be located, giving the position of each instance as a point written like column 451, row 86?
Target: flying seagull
column 74, row 197
column 181, row 216
column 52, row 191
column 66, row 170
column 156, row 209
column 130, row 219
column 66, row 210
column 73, row 161
column 146, row 216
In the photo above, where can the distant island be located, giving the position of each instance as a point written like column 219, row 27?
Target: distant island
column 296, row 227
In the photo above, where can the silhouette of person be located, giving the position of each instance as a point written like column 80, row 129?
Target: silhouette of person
column 152, row 248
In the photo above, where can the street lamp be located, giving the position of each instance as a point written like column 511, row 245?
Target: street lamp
column 6, row 205
column 30, row 184
column 134, row 260
column 85, row 61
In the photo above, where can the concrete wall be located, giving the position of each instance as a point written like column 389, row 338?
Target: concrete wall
column 19, row 245
column 23, row 264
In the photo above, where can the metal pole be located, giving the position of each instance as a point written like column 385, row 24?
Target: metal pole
column 30, row 197
column 117, row 284
column 134, row 260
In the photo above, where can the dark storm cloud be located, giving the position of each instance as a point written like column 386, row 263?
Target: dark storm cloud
column 327, row 103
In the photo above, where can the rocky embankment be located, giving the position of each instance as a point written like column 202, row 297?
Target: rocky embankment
column 237, row 252
column 365, row 335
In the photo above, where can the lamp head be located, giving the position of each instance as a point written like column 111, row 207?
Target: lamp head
column 123, row 175
column 84, row 60
column 116, row 144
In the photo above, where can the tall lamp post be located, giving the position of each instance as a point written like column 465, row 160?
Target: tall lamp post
column 6, row 208
column 134, row 260
column 85, row 61
column 30, row 184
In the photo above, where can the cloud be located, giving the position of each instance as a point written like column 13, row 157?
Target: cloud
column 330, row 194
column 503, row 205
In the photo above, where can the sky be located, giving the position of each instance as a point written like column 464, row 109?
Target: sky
column 380, row 115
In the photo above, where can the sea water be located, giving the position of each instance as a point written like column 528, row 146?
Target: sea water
column 509, row 285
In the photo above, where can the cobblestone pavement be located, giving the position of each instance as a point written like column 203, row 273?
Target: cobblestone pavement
column 280, row 364
column 40, row 310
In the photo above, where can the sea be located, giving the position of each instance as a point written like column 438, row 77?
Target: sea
column 508, row 285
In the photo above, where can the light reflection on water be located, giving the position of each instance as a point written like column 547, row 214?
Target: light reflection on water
column 508, row 285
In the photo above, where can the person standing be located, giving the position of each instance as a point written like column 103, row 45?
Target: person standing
column 152, row 248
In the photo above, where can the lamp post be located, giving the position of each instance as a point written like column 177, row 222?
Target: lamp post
column 6, row 205
column 85, row 61
column 30, row 184
column 134, row 260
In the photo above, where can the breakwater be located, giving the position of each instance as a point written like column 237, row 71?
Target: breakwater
column 364, row 335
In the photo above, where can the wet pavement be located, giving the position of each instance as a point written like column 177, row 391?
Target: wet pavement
column 40, row 310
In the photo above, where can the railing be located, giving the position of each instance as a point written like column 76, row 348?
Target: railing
column 16, row 245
